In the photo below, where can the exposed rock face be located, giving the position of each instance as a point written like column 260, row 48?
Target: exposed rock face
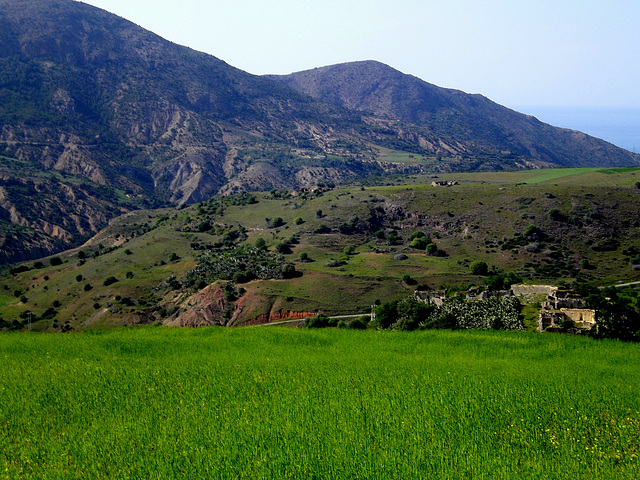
column 208, row 309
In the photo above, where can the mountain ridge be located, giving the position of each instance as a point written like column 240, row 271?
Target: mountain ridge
column 99, row 117
column 375, row 88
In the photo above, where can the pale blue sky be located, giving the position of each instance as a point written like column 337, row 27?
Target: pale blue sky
column 516, row 52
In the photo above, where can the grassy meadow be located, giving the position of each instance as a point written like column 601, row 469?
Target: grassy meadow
column 269, row 402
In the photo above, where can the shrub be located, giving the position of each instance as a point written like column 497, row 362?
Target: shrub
column 360, row 323
column 393, row 238
column 55, row 261
column 420, row 243
column 274, row 222
column 557, row 215
column 204, row 226
column 79, row 278
column 386, row 314
column 479, row 268
column 88, row 287
column 20, row 269
column 431, row 249
column 298, row 221
column 406, row 278
column 110, row 281
column 320, row 321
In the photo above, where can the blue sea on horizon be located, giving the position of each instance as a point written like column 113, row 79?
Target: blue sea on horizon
column 618, row 125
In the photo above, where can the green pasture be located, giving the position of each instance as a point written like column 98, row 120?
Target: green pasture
column 274, row 403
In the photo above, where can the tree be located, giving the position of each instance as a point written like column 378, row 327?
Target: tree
column 420, row 242
column 386, row 314
column 432, row 249
column 349, row 250
column 479, row 268
column 393, row 238
column 298, row 221
column 319, row 214
column 261, row 244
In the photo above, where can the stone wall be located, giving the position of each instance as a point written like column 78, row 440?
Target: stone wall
column 521, row 290
column 581, row 315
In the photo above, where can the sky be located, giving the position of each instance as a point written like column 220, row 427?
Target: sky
column 572, row 53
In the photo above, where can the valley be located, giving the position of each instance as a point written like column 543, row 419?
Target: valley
column 335, row 249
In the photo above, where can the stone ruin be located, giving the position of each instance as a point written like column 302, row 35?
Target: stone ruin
column 562, row 308
column 445, row 183
column 559, row 308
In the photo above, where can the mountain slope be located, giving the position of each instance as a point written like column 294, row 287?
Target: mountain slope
column 470, row 120
column 99, row 116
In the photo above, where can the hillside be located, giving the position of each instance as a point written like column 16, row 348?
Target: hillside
column 99, row 117
column 469, row 124
column 254, row 258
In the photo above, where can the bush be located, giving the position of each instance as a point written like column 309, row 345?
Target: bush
column 298, row 221
column 88, row 287
column 55, row 261
column 274, row 222
column 479, row 268
column 406, row 278
column 109, row 281
column 20, row 269
column 386, row 315
column 320, row 321
column 79, row 278
column 557, row 215
column 393, row 238
column 432, row 249
column 420, row 243
column 359, row 323
column 204, row 227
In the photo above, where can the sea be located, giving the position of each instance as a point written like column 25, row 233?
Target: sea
column 617, row 125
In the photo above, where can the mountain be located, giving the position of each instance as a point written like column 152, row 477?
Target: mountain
column 99, row 117
column 470, row 124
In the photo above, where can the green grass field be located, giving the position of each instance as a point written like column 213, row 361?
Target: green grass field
column 272, row 403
